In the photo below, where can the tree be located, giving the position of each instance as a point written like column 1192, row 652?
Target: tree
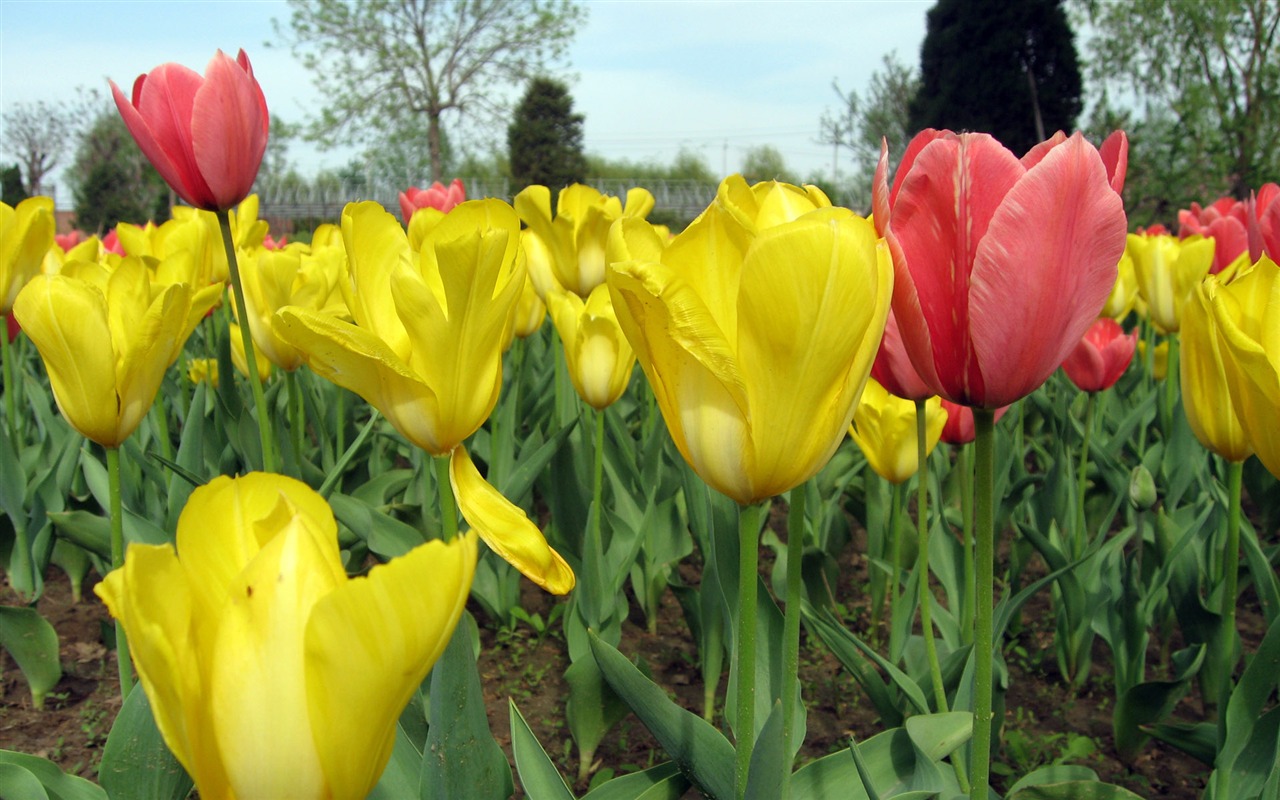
column 112, row 181
column 1207, row 74
column 1008, row 69
column 12, row 191
column 764, row 163
column 397, row 65
column 38, row 134
column 859, row 124
column 545, row 137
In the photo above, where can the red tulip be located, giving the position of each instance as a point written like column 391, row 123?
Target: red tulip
column 892, row 368
column 11, row 326
column 438, row 196
column 204, row 135
column 1101, row 357
column 1000, row 265
column 1237, row 226
column 959, row 427
column 1266, row 232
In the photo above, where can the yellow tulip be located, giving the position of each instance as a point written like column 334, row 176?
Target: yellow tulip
column 107, row 341
column 599, row 357
column 203, row 370
column 884, row 428
column 530, row 313
column 756, row 327
column 1206, row 394
column 1124, row 293
column 426, row 349
column 568, row 252
column 26, row 234
column 1245, row 311
column 190, row 243
column 1167, row 271
column 1159, row 358
column 273, row 279
column 270, row 672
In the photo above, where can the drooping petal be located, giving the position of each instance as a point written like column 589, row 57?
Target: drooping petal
column 67, row 320
column 813, row 303
column 692, row 371
column 402, row 613
column 505, row 527
column 1044, row 270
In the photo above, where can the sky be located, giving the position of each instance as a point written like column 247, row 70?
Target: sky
column 650, row 77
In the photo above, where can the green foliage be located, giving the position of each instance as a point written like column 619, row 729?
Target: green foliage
column 1204, row 121
column 11, row 189
column 112, row 181
column 765, row 163
column 544, row 139
column 1008, row 69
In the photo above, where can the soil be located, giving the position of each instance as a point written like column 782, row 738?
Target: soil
column 1043, row 713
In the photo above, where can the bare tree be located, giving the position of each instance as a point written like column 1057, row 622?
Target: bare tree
column 37, row 135
column 388, row 66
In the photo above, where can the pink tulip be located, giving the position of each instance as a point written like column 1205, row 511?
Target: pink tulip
column 271, row 243
column 111, row 243
column 1000, row 264
column 68, row 240
column 1266, row 205
column 438, row 196
column 892, row 368
column 1101, row 357
column 1236, row 226
column 959, row 426
column 204, row 135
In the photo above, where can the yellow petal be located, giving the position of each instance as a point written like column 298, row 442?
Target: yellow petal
column 814, row 301
column 67, row 320
column 26, row 234
column 154, row 336
column 692, row 370
column 376, row 246
column 368, row 647
column 152, row 599
column 506, row 528
column 1245, row 312
column 357, row 360
column 1206, row 395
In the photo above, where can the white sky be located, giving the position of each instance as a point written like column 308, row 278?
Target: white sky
column 650, row 77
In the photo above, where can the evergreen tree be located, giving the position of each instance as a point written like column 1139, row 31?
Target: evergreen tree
column 112, row 181
column 11, row 189
column 545, row 137
column 1008, row 69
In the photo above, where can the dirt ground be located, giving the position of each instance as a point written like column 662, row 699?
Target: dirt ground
column 1045, row 720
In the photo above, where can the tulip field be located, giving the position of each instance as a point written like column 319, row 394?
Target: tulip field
column 972, row 496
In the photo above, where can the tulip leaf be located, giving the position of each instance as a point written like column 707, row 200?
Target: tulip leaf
column 384, row 534
column 663, row 782
column 136, row 764
column 461, row 757
column 33, row 643
column 18, row 771
column 538, row 775
column 1056, row 773
column 1073, row 790
column 769, row 759
column 889, row 760
column 842, row 644
column 699, row 750
column 593, row 708
column 400, row 778
column 1150, row 702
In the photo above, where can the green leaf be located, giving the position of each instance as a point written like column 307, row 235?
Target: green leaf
column 1074, row 790
column 57, row 785
column 769, row 759
column 17, row 783
column 843, row 645
column 461, row 758
column 593, row 708
column 136, row 763
column 538, row 775
column 400, row 779
column 384, row 534
column 33, row 643
column 1056, row 773
column 890, row 761
column 663, row 782
column 699, row 750
column 1199, row 740
column 1247, row 729
column 1147, row 703
column 936, row 736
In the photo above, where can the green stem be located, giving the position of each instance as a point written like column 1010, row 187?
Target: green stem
column 1171, row 386
column 1230, row 579
column 922, row 559
column 597, row 478
column 749, row 519
column 339, row 422
column 123, row 661
column 448, row 509
column 791, row 624
column 10, row 395
column 984, row 495
column 1082, row 532
column 895, row 532
column 297, row 417
column 964, row 461
column 246, row 338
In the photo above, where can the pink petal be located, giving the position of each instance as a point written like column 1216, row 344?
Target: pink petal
column 1115, row 157
column 939, row 218
column 229, row 126
column 1230, row 239
column 1044, row 270
column 158, row 118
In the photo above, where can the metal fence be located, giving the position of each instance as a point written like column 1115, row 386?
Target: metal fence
column 683, row 199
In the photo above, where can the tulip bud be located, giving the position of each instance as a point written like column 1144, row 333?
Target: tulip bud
column 1142, row 488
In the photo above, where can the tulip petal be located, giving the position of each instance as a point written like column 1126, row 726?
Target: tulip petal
column 67, row 320
column 229, row 126
column 403, row 613
column 260, row 707
column 506, row 528
column 941, row 199
column 814, row 299
column 1043, row 270
column 361, row 362
column 376, row 246
column 1245, row 313
column 691, row 368
column 151, row 597
column 160, row 120
column 1206, row 391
